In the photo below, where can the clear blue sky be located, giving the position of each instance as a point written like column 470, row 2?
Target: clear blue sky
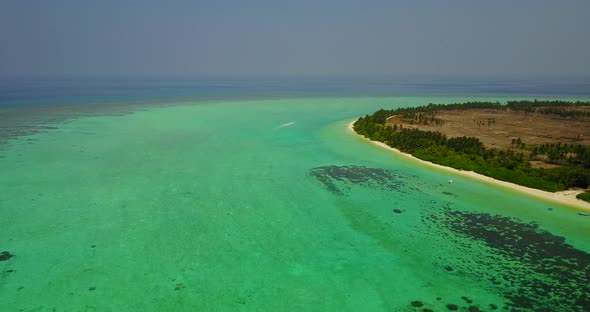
column 295, row 38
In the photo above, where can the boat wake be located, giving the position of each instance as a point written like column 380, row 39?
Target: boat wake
column 287, row 124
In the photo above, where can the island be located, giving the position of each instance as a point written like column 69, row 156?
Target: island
column 540, row 147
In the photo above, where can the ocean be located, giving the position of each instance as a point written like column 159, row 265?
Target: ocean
column 252, row 195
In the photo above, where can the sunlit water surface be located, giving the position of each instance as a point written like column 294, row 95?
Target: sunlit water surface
column 215, row 206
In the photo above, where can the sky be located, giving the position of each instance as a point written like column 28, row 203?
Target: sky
column 330, row 38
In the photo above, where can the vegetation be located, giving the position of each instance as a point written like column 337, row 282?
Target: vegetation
column 469, row 153
column 560, row 108
column 574, row 154
column 425, row 114
column 584, row 196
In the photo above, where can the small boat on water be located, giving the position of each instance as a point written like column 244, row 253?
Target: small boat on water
column 583, row 214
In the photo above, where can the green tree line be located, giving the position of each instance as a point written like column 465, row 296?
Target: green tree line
column 573, row 154
column 560, row 108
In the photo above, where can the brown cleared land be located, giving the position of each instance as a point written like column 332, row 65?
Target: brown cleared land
column 497, row 128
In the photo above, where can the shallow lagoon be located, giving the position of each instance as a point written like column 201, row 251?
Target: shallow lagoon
column 214, row 206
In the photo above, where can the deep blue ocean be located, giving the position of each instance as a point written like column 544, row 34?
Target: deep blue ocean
column 49, row 91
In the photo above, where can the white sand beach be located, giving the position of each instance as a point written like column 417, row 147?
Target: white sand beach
column 567, row 197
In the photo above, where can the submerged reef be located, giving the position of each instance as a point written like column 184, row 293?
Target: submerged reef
column 5, row 255
column 529, row 268
column 532, row 269
column 338, row 179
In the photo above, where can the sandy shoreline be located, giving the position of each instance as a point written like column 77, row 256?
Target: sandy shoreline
column 567, row 198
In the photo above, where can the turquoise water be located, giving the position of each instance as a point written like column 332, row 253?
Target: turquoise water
column 215, row 206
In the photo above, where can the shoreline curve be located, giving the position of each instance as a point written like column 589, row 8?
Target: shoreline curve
column 566, row 198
